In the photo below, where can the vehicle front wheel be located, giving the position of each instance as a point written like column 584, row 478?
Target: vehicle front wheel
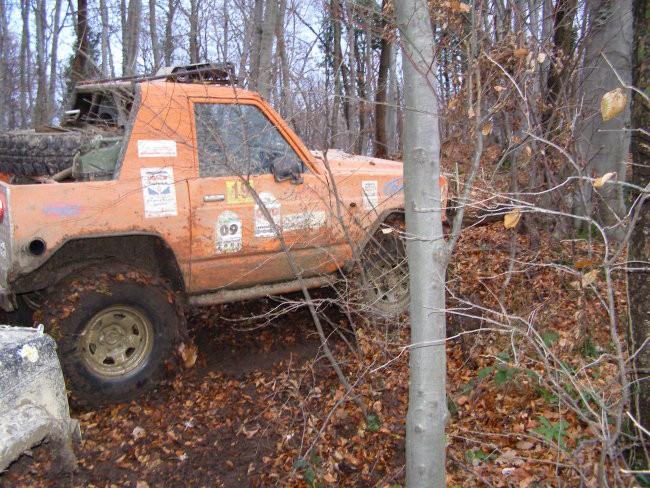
column 115, row 331
column 385, row 277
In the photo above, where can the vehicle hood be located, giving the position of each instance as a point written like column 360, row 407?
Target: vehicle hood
column 340, row 161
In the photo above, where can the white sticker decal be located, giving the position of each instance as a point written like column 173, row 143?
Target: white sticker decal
column 228, row 233
column 158, row 192
column 264, row 228
column 369, row 194
column 156, row 149
column 302, row 221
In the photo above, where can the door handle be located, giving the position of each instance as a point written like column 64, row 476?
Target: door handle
column 214, row 198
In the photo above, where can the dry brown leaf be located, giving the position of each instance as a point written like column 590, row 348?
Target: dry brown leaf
column 499, row 88
column 189, row 353
column 511, row 219
column 584, row 263
column 452, row 104
column 589, row 278
column 525, row 445
column 541, row 57
column 604, row 179
column 329, row 478
column 464, row 7
column 521, row 53
column 612, row 103
column 470, row 112
column 487, row 129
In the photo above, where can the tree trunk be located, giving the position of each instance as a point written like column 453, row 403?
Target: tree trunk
column 562, row 50
column 168, row 43
column 266, row 74
column 393, row 126
column 153, row 32
column 639, row 248
column 82, row 50
column 131, row 36
column 25, row 67
column 257, row 27
column 40, row 107
column 54, row 61
column 286, row 100
column 603, row 146
column 107, row 58
column 339, row 73
column 352, row 112
column 427, row 252
column 381, row 137
column 193, row 19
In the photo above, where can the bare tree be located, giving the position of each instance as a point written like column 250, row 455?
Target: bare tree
column 132, row 20
column 81, row 57
column 168, row 42
column 603, row 145
column 107, row 67
column 40, row 108
column 266, row 72
column 639, row 249
column 153, row 32
column 54, row 60
column 427, row 252
column 25, row 66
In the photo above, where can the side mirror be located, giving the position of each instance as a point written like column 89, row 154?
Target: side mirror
column 287, row 168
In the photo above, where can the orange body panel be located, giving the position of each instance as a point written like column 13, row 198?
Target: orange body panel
column 218, row 235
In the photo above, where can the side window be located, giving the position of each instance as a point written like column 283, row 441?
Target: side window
column 238, row 140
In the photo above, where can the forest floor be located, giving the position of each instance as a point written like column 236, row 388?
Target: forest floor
column 263, row 407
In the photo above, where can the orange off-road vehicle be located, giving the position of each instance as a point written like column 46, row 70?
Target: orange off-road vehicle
column 176, row 190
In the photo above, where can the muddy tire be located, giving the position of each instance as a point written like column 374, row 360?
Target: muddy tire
column 115, row 330
column 29, row 153
column 384, row 281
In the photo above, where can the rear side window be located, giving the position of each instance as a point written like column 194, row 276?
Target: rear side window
column 237, row 140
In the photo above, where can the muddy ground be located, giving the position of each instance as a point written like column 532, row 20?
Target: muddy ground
column 208, row 425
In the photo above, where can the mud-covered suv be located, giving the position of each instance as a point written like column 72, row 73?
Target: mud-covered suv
column 183, row 190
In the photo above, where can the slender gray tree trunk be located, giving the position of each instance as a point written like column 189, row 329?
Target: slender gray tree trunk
column 107, row 62
column 392, row 128
column 193, row 18
column 168, row 43
column 131, row 36
column 25, row 67
column 427, row 251
column 352, row 99
column 153, row 32
column 603, row 146
column 40, row 22
column 254, row 45
column 266, row 70
column 54, row 61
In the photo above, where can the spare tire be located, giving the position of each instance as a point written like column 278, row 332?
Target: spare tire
column 31, row 153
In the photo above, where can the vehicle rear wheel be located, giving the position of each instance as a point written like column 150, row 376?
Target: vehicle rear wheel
column 115, row 329
column 385, row 268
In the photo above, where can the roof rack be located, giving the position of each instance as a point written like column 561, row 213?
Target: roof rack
column 215, row 73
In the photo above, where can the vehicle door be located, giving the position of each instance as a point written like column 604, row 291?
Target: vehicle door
column 241, row 151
